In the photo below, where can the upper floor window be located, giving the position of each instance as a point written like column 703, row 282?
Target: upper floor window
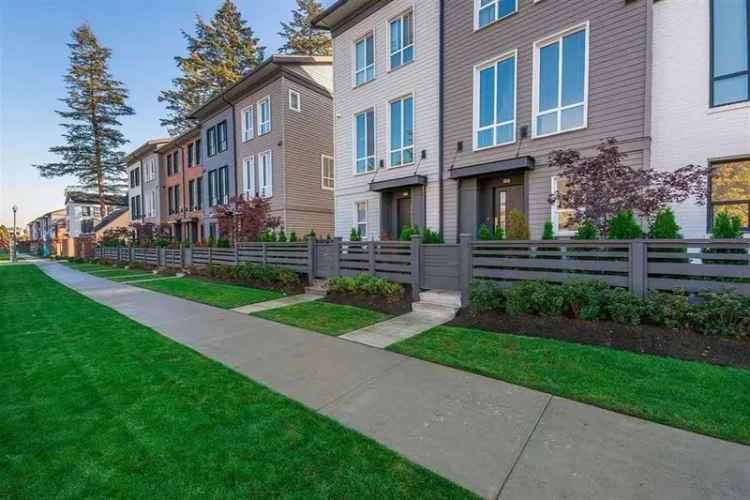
column 265, row 174
column 176, row 162
column 211, row 141
column 489, row 11
column 198, row 152
column 365, row 142
column 327, row 172
column 561, row 76
column 264, row 116
column 169, row 166
column 295, row 101
column 402, row 132
column 402, row 40
column 730, row 48
column 364, row 50
column 730, row 189
column 495, row 103
column 248, row 124
column 190, row 155
column 221, row 137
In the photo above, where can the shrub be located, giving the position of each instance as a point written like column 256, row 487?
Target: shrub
column 407, row 232
column 587, row 231
column 428, row 236
column 484, row 233
column 664, row 226
column 518, row 227
column 668, row 309
column 724, row 313
column 431, row 237
column 355, row 235
column 623, row 226
column 585, row 299
column 486, row 296
column 282, row 236
column 549, row 231
column 624, row 307
column 222, row 243
column 259, row 275
column 293, row 237
column 726, row 227
column 367, row 284
column 311, row 234
column 534, row 297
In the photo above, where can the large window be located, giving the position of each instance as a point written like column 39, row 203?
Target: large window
column 248, row 124
column 327, row 172
column 562, row 215
column 266, row 174
column 249, row 168
column 495, row 103
column 561, row 81
column 264, row 116
column 402, row 40
column 365, row 142
column 730, row 52
column 489, row 11
column 730, row 189
column 360, row 218
column 364, row 60
column 402, row 132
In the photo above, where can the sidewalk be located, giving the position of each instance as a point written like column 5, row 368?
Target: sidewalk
column 499, row 440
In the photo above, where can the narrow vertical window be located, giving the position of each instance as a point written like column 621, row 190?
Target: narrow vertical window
column 211, row 141
column 730, row 190
column 191, row 195
column 221, row 137
column 199, row 193
column 212, row 188
column 190, row 155
column 730, row 52
column 360, row 218
column 175, row 164
column 295, row 103
column 248, row 124
column 249, row 167
column 495, row 103
column 402, row 132
column 365, row 142
column 489, row 11
column 264, row 116
column 169, row 166
column 327, row 172
column 402, row 40
column 266, row 174
column 364, row 60
column 198, row 152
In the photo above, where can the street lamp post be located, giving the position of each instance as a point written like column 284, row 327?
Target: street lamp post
column 13, row 247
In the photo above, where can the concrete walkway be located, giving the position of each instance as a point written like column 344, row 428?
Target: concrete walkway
column 497, row 439
column 399, row 328
column 275, row 304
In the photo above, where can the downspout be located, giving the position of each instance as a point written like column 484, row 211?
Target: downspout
column 440, row 117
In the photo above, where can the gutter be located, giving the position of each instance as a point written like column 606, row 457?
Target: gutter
column 441, row 124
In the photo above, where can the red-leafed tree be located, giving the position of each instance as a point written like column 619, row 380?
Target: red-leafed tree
column 602, row 185
column 245, row 220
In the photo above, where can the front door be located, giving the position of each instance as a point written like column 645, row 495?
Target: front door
column 504, row 200
column 403, row 214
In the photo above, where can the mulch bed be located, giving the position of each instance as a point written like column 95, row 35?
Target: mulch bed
column 376, row 304
column 644, row 339
column 251, row 284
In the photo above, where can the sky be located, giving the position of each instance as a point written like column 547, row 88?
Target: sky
column 144, row 36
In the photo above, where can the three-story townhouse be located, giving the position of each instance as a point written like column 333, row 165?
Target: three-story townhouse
column 181, row 190
column 387, row 115
column 144, row 173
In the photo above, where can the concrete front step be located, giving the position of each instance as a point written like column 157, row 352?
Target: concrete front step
column 437, row 310
column 447, row 298
column 319, row 287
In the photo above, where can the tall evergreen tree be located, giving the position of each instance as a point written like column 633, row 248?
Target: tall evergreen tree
column 300, row 36
column 95, row 102
column 219, row 54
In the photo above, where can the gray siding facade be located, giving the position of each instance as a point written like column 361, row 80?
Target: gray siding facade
column 223, row 159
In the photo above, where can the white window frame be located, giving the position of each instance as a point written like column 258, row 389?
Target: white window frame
column 540, row 44
column 364, row 69
column 153, row 204
column 403, row 47
column 264, row 127
column 555, row 207
column 265, row 174
column 357, row 223
column 476, row 128
column 375, row 143
column 294, row 93
column 248, row 167
column 390, row 122
column 323, row 176
column 496, row 3
column 248, row 123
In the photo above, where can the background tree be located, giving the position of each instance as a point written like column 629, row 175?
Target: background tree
column 601, row 186
column 300, row 36
column 4, row 238
column 95, row 103
column 219, row 54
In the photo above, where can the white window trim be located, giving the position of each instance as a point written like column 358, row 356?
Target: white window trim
column 265, row 189
column 477, row 5
column 414, row 127
column 475, row 122
column 248, row 167
column 365, row 68
column 248, row 132
column 323, row 177
column 403, row 47
column 355, row 219
column 554, row 207
column 375, row 140
column 293, row 93
column 260, row 132
column 538, row 45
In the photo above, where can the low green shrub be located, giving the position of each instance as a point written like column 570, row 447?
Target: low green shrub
column 486, row 296
column 621, row 306
column 668, row 309
column 623, row 226
column 428, row 236
column 724, row 313
column 535, row 297
column 587, row 231
column 585, row 299
column 257, row 275
column 367, row 284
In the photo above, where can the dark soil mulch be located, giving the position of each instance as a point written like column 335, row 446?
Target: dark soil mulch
column 253, row 284
column 644, row 339
column 376, row 304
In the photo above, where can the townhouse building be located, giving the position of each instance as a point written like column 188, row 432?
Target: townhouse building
column 41, row 231
column 181, row 190
column 700, row 103
column 271, row 135
column 144, row 173
column 83, row 211
column 387, row 115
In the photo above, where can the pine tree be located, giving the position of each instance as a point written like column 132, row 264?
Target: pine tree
column 300, row 36
column 219, row 54
column 95, row 102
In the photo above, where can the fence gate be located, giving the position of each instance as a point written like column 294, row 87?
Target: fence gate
column 325, row 257
column 440, row 269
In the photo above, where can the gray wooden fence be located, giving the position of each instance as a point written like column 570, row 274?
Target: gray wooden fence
column 639, row 265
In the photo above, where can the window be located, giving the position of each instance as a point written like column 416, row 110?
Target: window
column 495, row 103
column 365, row 60
column 213, row 230
column 176, row 162
column 249, row 168
column 198, row 152
column 86, row 211
column 402, row 40
column 248, row 124
column 295, row 101
column 211, row 141
column 365, row 142
column 176, row 194
column 154, row 204
column 562, row 216
column 134, row 207
column 730, row 189
column 402, row 132
column 489, row 11
column 561, row 76
column 191, row 195
column 221, row 137
column 87, row 226
column 730, row 52
column 198, row 193
column 222, row 195
column 327, row 172
column 190, row 155
column 360, row 218
column 264, row 116
column 169, row 165
column 266, row 174
column 212, row 188
column 170, row 207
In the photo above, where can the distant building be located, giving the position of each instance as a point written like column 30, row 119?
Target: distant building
column 83, row 211
column 144, row 183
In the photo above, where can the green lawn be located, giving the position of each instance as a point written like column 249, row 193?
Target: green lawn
column 96, row 405
column 214, row 294
column 323, row 317
column 699, row 397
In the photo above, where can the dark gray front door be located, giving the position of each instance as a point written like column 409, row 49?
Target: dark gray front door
column 403, row 214
column 506, row 199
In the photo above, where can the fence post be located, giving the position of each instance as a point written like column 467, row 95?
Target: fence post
column 264, row 253
column 210, row 257
column 638, row 268
column 236, row 254
column 466, row 266
column 371, row 257
column 187, row 257
column 336, row 257
column 131, row 254
column 311, row 242
column 416, row 265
